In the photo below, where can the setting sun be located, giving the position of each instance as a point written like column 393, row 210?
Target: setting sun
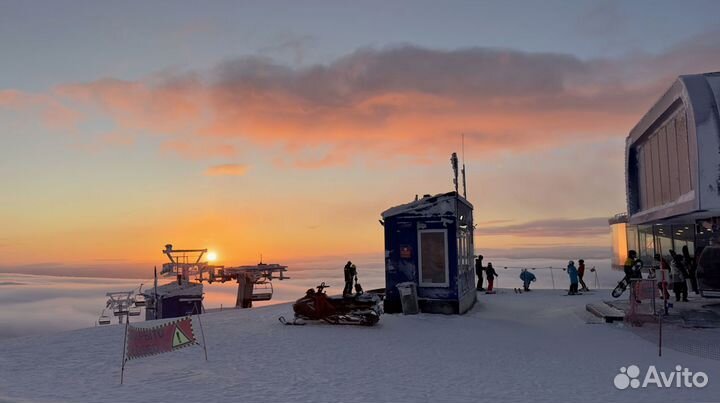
column 211, row 256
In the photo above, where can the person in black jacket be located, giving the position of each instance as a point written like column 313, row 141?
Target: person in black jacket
column 350, row 272
column 629, row 266
column 479, row 272
column 691, row 267
column 490, row 274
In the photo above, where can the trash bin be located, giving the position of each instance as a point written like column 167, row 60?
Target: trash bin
column 408, row 298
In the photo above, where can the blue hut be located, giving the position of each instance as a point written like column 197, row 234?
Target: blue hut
column 430, row 242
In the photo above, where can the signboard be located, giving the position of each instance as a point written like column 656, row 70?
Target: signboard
column 158, row 339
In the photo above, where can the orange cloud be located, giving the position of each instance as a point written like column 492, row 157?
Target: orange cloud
column 554, row 227
column 405, row 103
column 227, row 170
column 49, row 109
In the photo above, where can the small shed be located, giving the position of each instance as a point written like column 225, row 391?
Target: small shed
column 173, row 300
column 430, row 242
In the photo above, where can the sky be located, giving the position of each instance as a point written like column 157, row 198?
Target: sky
column 285, row 128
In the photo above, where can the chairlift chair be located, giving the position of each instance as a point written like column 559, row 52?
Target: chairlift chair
column 139, row 300
column 134, row 312
column 103, row 319
column 262, row 291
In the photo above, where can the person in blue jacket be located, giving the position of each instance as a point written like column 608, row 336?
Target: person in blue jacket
column 574, row 279
column 526, row 278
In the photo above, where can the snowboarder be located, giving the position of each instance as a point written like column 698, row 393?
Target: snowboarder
column 490, row 274
column 691, row 267
column 573, row 274
column 581, row 273
column 678, row 275
column 526, row 278
column 479, row 272
column 350, row 272
column 629, row 266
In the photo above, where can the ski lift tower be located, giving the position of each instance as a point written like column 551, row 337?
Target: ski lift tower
column 184, row 263
column 191, row 267
column 121, row 304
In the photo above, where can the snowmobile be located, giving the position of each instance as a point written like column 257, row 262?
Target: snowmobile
column 360, row 309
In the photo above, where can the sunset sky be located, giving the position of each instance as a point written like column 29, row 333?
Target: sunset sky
column 286, row 128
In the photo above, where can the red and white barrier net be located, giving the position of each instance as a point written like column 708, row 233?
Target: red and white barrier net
column 645, row 302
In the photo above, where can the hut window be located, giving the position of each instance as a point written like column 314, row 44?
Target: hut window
column 465, row 252
column 433, row 258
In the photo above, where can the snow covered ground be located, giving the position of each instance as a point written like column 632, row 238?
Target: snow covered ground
column 538, row 346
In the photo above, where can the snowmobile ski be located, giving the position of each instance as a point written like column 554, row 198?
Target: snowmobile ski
column 295, row 322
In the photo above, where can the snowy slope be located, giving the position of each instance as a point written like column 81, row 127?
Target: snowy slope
column 535, row 346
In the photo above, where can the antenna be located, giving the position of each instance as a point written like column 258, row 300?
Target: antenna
column 463, row 167
column 454, row 163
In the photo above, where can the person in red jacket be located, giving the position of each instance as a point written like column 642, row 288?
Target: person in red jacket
column 490, row 275
column 581, row 273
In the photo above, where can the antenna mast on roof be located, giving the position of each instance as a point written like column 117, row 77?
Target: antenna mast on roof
column 454, row 163
column 463, row 166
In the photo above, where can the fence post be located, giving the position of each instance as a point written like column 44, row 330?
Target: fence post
column 597, row 280
column 552, row 276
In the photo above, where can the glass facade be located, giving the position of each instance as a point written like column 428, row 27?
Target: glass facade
column 684, row 236
column 646, row 243
column 649, row 240
column 632, row 237
column 619, row 233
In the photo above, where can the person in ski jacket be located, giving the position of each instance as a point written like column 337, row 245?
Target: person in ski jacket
column 573, row 274
column 663, row 276
column 678, row 275
column 581, row 273
column 526, row 278
column 479, row 269
column 490, row 274
column 629, row 266
column 350, row 272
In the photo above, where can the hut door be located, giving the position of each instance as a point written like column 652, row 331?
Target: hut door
column 433, row 267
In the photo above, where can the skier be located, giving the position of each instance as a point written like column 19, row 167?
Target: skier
column 350, row 272
column 581, row 273
column 678, row 276
column 573, row 274
column 527, row 278
column 691, row 267
column 490, row 274
column 479, row 272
